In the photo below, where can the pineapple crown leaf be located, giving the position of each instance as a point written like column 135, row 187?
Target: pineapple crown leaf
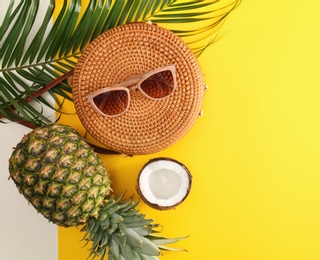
column 159, row 240
column 124, row 233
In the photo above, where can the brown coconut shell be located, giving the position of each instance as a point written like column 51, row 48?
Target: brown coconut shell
column 155, row 205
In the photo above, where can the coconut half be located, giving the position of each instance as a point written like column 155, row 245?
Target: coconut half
column 164, row 183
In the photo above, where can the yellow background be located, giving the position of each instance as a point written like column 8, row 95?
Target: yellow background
column 254, row 155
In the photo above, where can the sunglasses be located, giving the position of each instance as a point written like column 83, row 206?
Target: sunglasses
column 115, row 100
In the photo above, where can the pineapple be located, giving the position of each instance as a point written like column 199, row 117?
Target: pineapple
column 65, row 180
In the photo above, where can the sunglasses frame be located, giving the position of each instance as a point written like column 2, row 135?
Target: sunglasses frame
column 126, row 86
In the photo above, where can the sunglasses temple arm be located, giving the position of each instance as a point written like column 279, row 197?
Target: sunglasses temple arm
column 166, row 82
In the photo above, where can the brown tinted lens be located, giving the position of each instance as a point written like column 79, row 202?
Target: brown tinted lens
column 112, row 102
column 158, row 85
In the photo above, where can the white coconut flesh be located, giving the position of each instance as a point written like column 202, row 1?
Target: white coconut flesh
column 164, row 183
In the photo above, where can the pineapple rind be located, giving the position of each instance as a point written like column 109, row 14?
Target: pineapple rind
column 60, row 175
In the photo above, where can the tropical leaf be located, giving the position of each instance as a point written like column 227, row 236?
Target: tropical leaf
column 30, row 61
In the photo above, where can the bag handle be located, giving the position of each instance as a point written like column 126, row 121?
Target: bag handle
column 44, row 89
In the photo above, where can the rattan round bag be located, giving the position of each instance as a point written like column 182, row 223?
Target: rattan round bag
column 148, row 125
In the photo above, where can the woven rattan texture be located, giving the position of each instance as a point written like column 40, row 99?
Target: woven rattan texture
column 148, row 126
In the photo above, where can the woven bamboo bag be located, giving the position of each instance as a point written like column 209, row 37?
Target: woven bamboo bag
column 148, row 126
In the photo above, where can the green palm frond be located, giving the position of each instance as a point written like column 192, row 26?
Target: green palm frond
column 31, row 56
